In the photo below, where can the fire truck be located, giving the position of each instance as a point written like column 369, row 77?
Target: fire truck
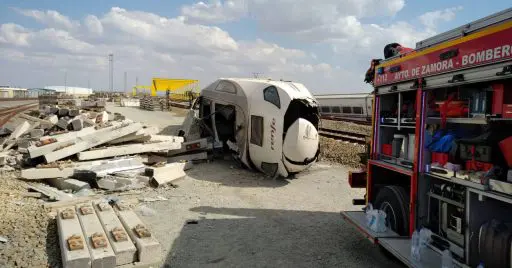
column 441, row 151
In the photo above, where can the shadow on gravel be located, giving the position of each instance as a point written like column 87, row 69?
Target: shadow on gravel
column 272, row 238
column 228, row 173
column 171, row 130
column 52, row 244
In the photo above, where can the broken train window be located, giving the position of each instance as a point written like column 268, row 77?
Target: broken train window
column 271, row 95
column 257, row 130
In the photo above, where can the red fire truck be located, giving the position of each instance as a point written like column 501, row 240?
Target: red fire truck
column 441, row 151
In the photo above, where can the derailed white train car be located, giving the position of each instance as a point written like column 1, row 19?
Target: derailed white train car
column 270, row 126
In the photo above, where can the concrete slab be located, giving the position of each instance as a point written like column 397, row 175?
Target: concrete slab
column 79, row 256
column 63, row 112
column 120, row 183
column 74, row 112
column 168, row 173
column 102, row 254
column 36, row 133
column 45, row 124
column 90, row 141
column 77, row 124
column 52, row 119
column 128, row 150
column 139, row 136
column 121, row 243
column 71, row 184
column 148, row 248
column 51, row 192
column 46, row 173
column 63, row 123
column 116, row 165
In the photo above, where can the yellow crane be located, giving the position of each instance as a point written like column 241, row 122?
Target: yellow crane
column 178, row 86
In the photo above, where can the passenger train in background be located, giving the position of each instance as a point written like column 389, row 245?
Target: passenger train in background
column 357, row 106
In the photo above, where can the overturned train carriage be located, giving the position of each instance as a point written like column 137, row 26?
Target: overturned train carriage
column 270, row 126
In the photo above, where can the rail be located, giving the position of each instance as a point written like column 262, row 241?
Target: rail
column 343, row 135
column 359, row 121
column 7, row 113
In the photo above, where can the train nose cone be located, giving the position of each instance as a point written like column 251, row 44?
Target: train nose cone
column 300, row 145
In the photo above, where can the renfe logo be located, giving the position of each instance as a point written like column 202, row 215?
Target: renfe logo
column 486, row 49
column 272, row 133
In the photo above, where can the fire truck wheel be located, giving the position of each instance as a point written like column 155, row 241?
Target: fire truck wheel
column 394, row 200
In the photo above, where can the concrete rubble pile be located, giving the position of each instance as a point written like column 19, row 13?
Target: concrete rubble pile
column 71, row 149
column 72, row 158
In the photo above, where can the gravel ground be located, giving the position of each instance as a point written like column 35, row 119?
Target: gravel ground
column 25, row 224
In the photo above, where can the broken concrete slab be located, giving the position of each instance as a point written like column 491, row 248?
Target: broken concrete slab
column 116, row 165
column 44, row 124
column 50, row 192
column 119, row 239
column 36, row 133
column 102, row 254
column 148, row 248
column 63, row 112
column 168, row 173
column 167, row 138
column 19, row 130
column 52, row 119
column 139, row 136
column 54, row 110
column 118, row 183
column 68, row 184
column 77, row 124
column 74, row 251
column 102, row 117
column 90, row 141
column 111, row 117
column 63, row 122
column 128, row 150
column 74, row 112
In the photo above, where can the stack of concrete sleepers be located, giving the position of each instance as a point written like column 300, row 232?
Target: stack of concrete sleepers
column 95, row 234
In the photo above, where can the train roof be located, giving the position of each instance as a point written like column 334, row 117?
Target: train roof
column 342, row 96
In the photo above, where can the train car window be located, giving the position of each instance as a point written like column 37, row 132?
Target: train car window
column 346, row 110
column 325, row 109
column 271, row 95
column 257, row 130
column 335, row 109
column 225, row 86
column 357, row 110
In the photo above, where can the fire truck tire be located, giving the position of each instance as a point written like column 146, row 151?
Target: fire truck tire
column 494, row 244
column 394, row 200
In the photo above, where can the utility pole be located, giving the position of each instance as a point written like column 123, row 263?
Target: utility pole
column 111, row 69
column 125, row 76
column 66, row 81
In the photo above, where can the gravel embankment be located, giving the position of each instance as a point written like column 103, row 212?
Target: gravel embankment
column 340, row 152
column 25, row 225
column 345, row 153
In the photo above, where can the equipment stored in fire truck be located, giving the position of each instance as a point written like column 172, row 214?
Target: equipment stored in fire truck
column 439, row 172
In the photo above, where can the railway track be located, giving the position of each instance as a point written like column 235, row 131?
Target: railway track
column 8, row 113
column 359, row 121
column 343, row 135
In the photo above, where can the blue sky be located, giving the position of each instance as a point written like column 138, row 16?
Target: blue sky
column 327, row 44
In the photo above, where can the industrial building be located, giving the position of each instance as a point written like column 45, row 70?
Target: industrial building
column 76, row 91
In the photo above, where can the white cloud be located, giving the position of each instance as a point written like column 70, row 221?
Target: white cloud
column 14, row 34
column 93, row 25
column 433, row 18
column 50, row 18
column 149, row 45
column 214, row 11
